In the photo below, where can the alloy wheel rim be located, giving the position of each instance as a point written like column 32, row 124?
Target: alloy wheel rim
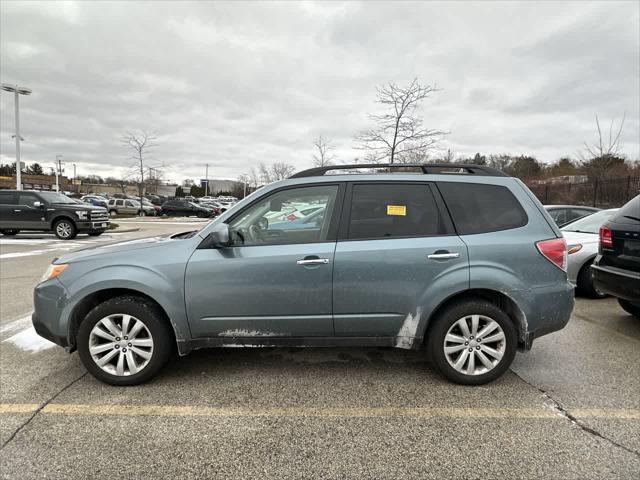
column 121, row 345
column 63, row 229
column 474, row 344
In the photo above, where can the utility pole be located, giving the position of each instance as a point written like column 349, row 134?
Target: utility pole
column 17, row 92
column 206, row 177
column 75, row 189
column 58, row 169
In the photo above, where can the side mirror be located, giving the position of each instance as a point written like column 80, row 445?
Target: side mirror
column 219, row 237
column 37, row 204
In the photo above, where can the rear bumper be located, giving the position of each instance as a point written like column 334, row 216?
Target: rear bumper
column 546, row 310
column 617, row 282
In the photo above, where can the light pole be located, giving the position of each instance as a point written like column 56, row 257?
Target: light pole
column 17, row 92
column 58, row 169
column 206, row 185
column 75, row 189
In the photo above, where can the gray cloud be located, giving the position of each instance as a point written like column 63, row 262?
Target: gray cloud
column 235, row 84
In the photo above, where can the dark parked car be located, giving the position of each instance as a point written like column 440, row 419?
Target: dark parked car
column 564, row 214
column 96, row 200
column 49, row 211
column 184, row 208
column 616, row 269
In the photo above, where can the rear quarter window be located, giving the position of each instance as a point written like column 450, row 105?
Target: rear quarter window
column 479, row 208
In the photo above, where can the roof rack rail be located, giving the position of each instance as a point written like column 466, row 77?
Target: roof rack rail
column 427, row 168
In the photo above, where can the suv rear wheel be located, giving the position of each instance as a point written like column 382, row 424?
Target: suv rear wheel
column 65, row 229
column 630, row 307
column 124, row 341
column 472, row 342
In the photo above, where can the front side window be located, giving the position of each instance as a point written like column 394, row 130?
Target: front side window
column 268, row 222
column 27, row 199
column 393, row 211
column 481, row 208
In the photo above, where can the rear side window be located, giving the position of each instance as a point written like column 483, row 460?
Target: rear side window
column 7, row 198
column 393, row 210
column 478, row 208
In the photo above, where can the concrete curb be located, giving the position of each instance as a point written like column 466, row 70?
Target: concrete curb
column 122, row 230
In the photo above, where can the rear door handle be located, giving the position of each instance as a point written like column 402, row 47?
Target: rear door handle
column 17, row 210
column 313, row 261
column 442, row 256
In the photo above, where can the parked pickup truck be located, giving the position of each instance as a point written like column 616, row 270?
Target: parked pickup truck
column 49, row 211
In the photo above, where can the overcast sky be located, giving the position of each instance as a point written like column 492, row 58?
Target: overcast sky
column 235, row 84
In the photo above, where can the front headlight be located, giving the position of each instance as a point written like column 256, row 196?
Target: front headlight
column 82, row 214
column 574, row 248
column 53, row 271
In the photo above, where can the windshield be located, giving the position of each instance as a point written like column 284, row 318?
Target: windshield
column 590, row 223
column 56, row 197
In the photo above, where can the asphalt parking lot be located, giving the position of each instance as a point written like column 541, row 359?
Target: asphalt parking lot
column 570, row 408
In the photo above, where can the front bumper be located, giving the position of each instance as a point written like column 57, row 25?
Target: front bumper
column 49, row 298
column 88, row 225
column 620, row 283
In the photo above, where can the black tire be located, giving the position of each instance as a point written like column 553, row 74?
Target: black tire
column 9, row 233
column 95, row 234
column 65, row 229
column 152, row 317
column 585, row 283
column 141, row 213
column 632, row 308
column 448, row 317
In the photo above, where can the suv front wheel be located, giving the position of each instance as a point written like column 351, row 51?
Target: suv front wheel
column 472, row 342
column 65, row 229
column 124, row 341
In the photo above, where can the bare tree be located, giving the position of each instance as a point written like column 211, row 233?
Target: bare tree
column 599, row 158
column 399, row 133
column 324, row 152
column 140, row 146
column 281, row 170
column 277, row 171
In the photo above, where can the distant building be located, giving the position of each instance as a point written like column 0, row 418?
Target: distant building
column 35, row 182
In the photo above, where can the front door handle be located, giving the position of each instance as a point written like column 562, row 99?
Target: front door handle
column 313, row 261
column 17, row 210
column 442, row 256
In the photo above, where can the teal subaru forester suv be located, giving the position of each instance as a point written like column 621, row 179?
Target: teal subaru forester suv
column 461, row 260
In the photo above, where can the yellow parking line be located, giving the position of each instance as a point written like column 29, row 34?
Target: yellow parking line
column 322, row 412
column 18, row 407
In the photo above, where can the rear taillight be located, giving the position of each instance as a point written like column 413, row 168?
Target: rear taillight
column 606, row 237
column 554, row 250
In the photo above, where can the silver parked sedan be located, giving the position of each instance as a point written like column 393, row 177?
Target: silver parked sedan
column 582, row 245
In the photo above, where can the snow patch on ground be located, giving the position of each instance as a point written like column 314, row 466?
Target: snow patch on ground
column 30, row 341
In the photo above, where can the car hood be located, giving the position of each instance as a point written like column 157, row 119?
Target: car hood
column 116, row 247
column 573, row 238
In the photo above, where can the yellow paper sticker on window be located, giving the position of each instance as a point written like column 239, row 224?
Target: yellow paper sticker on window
column 400, row 210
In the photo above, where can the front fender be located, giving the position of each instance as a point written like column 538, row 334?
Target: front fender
column 167, row 292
